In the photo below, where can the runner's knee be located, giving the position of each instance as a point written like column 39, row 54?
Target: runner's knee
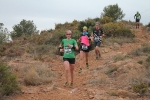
column 97, row 48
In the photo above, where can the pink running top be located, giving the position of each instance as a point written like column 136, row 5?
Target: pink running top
column 85, row 40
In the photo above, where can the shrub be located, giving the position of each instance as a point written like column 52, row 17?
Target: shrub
column 148, row 59
column 143, row 50
column 111, row 41
column 24, row 28
column 105, row 20
column 56, row 38
column 119, row 57
column 117, row 30
column 140, row 88
column 37, row 75
column 113, row 93
column 124, row 32
column 147, row 74
column 99, row 80
column 136, row 52
column 148, row 25
column 109, row 71
column 147, row 64
column 113, row 11
column 8, row 81
column 140, row 62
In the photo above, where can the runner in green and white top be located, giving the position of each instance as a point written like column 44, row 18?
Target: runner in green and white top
column 137, row 18
column 68, row 46
column 68, row 50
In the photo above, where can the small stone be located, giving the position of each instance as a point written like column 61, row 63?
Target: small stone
column 84, row 83
column 84, row 95
column 91, row 96
column 85, row 89
column 106, row 50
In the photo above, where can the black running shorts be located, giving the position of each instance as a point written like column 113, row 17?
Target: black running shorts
column 137, row 20
column 97, row 43
column 84, row 49
column 70, row 60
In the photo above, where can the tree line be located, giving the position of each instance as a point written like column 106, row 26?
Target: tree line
column 111, row 13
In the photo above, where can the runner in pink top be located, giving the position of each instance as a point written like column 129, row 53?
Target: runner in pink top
column 85, row 40
column 84, row 47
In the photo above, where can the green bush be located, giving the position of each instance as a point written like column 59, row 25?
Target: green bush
column 148, row 59
column 140, row 62
column 140, row 88
column 90, row 23
column 124, row 32
column 118, row 29
column 24, row 28
column 8, row 81
column 3, row 34
column 147, row 64
column 105, row 20
column 113, row 11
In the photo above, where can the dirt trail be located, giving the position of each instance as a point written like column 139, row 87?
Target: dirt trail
column 56, row 90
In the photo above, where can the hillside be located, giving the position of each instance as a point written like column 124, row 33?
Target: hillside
column 110, row 78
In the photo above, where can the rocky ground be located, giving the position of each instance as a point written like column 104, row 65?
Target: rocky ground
column 94, row 83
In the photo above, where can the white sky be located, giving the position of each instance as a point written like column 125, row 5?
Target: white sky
column 45, row 13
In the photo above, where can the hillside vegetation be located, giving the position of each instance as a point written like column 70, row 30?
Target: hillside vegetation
column 31, row 66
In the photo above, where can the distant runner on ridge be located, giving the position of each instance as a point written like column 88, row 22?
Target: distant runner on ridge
column 137, row 18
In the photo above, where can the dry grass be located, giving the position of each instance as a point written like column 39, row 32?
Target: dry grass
column 111, row 41
column 119, row 57
column 111, row 70
column 101, row 79
column 36, row 75
column 144, row 50
column 113, row 93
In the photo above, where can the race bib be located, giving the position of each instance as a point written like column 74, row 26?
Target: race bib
column 138, row 17
column 97, row 39
column 67, row 50
column 84, row 47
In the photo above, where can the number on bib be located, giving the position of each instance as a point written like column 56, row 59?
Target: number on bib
column 138, row 17
column 67, row 50
column 97, row 38
column 84, row 47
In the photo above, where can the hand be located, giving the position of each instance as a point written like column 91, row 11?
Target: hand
column 77, row 40
column 91, row 37
column 100, row 37
column 70, row 46
column 61, row 50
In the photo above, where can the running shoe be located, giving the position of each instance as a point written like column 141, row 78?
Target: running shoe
column 66, row 84
column 71, row 84
column 87, row 66
column 96, row 57
column 99, row 55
